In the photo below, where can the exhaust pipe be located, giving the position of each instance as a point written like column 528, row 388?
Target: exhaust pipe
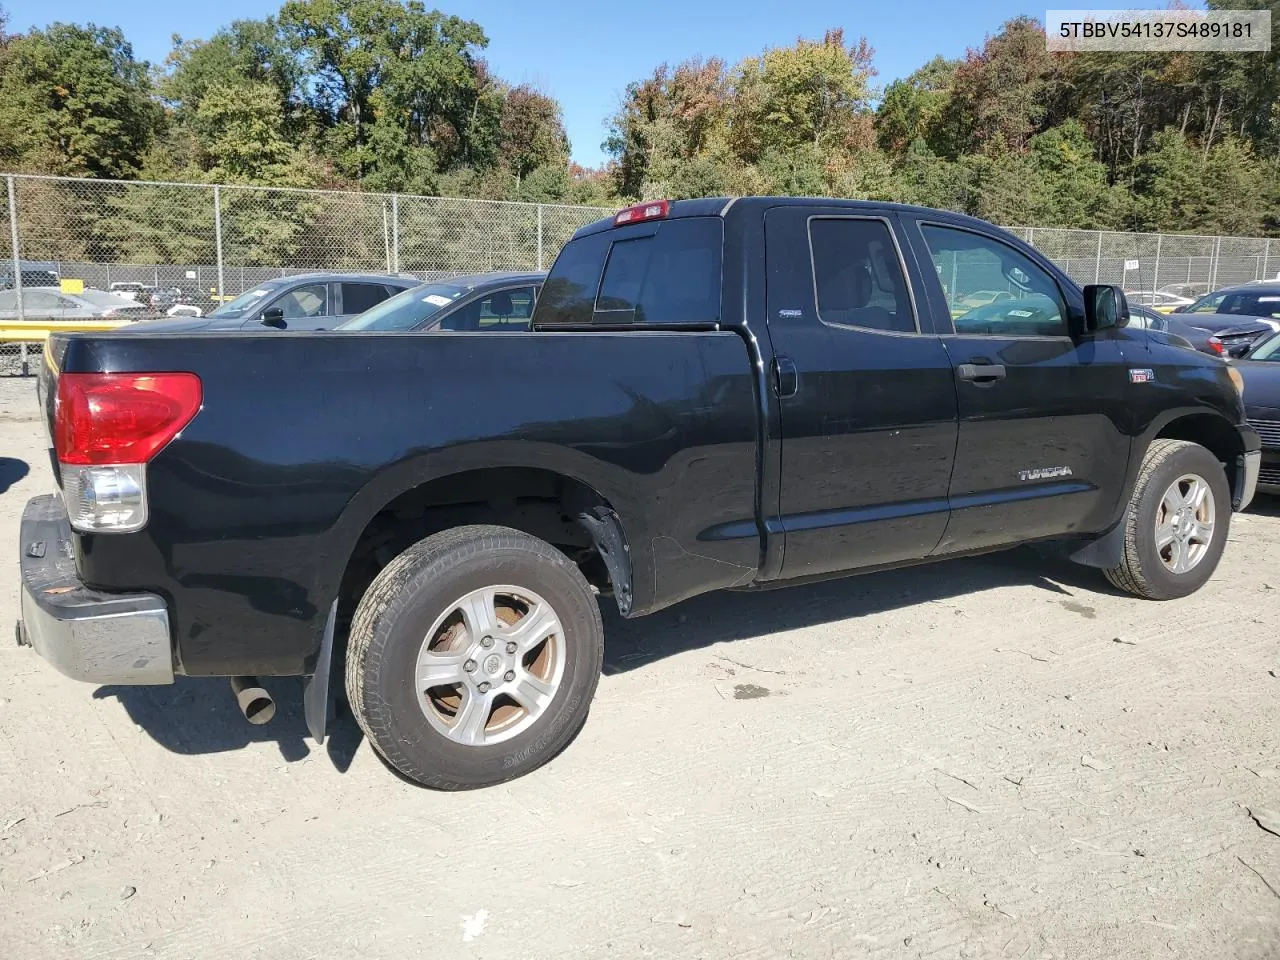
column 255, row 703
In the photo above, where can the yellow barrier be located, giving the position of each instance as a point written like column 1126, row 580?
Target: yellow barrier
column 37, row 331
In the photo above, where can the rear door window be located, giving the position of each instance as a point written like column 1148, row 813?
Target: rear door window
column 668, row 274
column 359, row 297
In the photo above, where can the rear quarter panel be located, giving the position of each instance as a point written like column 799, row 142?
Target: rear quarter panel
column 303, row 438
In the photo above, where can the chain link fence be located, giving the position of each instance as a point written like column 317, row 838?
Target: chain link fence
column 198, row 245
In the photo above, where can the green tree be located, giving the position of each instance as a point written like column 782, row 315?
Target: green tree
column 372, row 63
column 74, row 100
column 814, row 93
column 914, row 109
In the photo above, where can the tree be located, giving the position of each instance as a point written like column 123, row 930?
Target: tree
column 381, row 63
column 1002, row 92
column 913, row 109
column 532, row 133
column 811, row 93
column 240, row 132
column 248, row 51
column 74, row 100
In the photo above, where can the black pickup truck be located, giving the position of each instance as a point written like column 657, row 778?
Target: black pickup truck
column 716, row 394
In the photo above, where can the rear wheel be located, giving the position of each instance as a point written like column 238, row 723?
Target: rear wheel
column 1176, row 524
column 473, row 657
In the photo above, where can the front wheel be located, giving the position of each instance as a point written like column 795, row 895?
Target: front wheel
column 473, row 657
column 1176, row 524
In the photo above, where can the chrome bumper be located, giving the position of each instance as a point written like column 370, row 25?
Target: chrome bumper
column 86, row 634
column 1252, row 463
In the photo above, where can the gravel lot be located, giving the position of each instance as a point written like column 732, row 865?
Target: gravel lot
column 987, row 758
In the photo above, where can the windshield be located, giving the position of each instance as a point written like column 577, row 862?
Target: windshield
column 243, row 303
column 1269, row 349
column 406, row 310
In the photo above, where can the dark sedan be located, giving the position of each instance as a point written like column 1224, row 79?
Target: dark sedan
column 312, row 301
column 1183, row 333
column 1261, row 371
column 1240, row 316
column 501, row 302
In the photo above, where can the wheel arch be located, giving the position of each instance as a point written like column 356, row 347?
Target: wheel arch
column 411, row 500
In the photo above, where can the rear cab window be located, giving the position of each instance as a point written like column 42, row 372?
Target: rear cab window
column 658, row 273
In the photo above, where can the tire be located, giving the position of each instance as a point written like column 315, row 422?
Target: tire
column 1150, row 567
column 422, row 592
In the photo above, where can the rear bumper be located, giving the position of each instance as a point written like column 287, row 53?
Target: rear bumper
column 86, row 634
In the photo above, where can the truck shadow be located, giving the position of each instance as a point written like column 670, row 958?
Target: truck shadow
column 199, row 716
column 728, row 616
column 11, row 471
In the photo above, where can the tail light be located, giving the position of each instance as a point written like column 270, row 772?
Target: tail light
column 107, row 427
column 654, row 210
column 1216, row 347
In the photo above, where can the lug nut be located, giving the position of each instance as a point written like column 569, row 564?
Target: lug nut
column 511, row 647
column 469, row 666
column 484, row 686
column 509, row 676
column 487, row 642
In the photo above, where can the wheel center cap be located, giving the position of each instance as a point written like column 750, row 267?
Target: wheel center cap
column 493, row 665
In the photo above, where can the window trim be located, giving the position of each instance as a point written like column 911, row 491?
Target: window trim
column 902, row 266
column 1064, row 310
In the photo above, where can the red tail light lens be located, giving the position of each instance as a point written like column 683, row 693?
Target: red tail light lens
column 106, row 418
column 1216, row 346
column 654, row 210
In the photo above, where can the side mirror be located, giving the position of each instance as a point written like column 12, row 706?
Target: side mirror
column 274, row 317
column 1105, row 306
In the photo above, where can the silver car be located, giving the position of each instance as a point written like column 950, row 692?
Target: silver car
column 50, row 303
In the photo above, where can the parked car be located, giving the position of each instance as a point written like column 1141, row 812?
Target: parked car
column 702, row 404
column 176, row 302
column 1260, row 368
column 980, row 298
column 312, row 301
column 482, row 301
column 50, row 303
column 1179, row 331
column 1192, row 291
column 1258, row 300
column 132, row 290
column 31, row 277
column 1157, row 299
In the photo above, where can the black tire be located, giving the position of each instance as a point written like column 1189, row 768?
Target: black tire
column 1142, row 571
column 389, row 630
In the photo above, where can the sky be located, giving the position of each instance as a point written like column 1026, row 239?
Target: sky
column 585, row 52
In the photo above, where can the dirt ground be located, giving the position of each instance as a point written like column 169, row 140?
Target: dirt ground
column 987, row 758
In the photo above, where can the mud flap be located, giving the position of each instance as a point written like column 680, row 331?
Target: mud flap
column 315, row 694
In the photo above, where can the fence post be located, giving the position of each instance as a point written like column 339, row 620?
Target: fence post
column 539, row 236
column 386, row 235
column 17, row 250
column 1266, row 259
column 1213, row 270
column 395, row 233
column 217, row 234
column 17, row 267
column 1097, row 261
column 1031, row 236
column 1155, row 280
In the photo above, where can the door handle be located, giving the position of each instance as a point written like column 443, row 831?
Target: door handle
column 980, row 372
column 785, row 379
